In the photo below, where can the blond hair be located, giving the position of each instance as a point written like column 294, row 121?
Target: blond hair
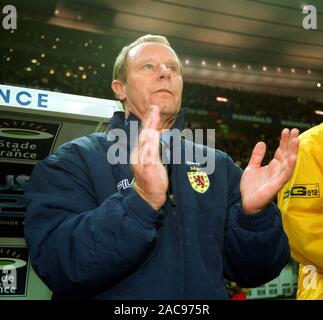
column 120, row 65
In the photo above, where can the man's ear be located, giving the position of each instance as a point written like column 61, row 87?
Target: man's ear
column 118, row 89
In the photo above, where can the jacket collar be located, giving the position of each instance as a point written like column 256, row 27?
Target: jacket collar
column 130, row 132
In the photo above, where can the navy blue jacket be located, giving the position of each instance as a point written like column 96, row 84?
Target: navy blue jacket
column 91, row 235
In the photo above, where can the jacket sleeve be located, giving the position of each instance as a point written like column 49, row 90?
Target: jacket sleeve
column 301, row 204
column 76, row 244
column 256, row 247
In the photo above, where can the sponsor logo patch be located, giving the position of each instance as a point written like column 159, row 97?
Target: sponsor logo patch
column 125, row 184
column 303, row 191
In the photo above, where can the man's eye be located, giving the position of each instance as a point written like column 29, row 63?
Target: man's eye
column 149, row 66
column 172, row 68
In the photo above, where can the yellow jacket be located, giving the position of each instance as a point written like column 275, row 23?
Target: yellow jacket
column 301, row 204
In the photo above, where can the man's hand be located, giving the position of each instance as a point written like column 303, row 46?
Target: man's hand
column 259, row 185
column 151, row 179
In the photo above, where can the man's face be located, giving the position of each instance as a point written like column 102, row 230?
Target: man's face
column 153, row 78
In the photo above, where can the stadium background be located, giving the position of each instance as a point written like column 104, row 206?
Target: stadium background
column 250, row 68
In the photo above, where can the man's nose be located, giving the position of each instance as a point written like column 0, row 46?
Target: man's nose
column 164, row 71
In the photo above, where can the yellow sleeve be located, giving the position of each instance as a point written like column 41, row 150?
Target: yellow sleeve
column 301, row 201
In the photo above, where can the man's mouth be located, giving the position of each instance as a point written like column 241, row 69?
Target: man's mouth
column 163, row 91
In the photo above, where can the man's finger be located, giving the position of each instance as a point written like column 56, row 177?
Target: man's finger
column 149, row 116
column 292, row 157
column 257, row 155
column 294, row 133
column 283, row 144
column 145, row 154
column 286, row 173
column 137, row 151
column 293, row 145
column 155, row 146
column 154, row 114
column 284, row 138
column 149, row 138
column 151, row 120
column 293, row 148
